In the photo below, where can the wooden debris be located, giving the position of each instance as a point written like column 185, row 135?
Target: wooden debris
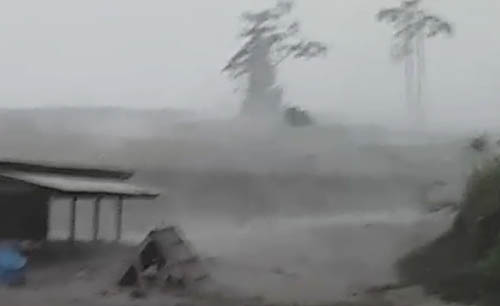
column 167, row 255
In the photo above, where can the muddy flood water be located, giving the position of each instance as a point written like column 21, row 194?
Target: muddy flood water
column 314, row 254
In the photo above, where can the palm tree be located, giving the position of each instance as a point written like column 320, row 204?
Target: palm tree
column 412, row 26
column 270, row 40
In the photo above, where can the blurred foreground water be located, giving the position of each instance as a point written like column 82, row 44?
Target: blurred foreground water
column 313, row 258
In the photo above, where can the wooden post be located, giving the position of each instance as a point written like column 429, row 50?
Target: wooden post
column 72, row 225
column 95, row 219
column 119, row 212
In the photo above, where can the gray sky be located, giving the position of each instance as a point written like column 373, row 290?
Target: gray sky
column 168, row 53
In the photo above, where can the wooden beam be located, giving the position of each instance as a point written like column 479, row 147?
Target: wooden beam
column 119, row 218
column 72, row 224
column 95, row 219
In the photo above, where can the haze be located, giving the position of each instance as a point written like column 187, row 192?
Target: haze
column 168, row 54
column 311, row 214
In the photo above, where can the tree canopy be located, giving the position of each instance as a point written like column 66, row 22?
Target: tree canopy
column 282, row 37
column 410, row 21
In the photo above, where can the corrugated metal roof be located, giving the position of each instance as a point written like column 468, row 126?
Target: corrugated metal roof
column 81, row 185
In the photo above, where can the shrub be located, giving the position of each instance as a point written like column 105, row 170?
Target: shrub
column 297, row 117
column 490, row 265
column 482, row 194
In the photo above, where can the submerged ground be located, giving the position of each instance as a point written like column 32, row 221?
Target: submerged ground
column 312, row 217
column 314, row 260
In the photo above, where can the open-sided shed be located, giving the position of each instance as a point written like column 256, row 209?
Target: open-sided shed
column 26, row 190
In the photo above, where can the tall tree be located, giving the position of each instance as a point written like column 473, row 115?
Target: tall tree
column 269, row 40
column 412, row 26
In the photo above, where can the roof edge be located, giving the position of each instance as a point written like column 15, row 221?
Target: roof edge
column 65, row 192
column 60, row 169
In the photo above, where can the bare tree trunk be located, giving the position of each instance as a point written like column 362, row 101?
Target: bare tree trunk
column 409, row 86
column 419, row 78
column 263, row 98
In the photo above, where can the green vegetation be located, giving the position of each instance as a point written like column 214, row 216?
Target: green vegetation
column 463, row 265
column 480, row 143
column 482, row 195
column 490, row 265
column 481, row 216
